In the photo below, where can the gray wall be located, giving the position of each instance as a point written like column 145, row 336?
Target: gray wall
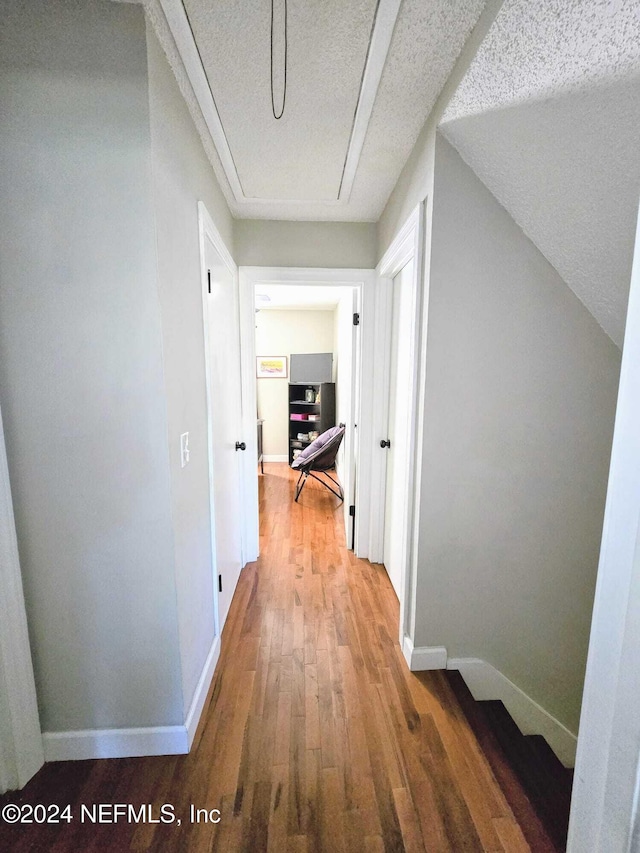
column 181, row 177
column 281, row 332
column 274, row 243
column 520, row 401
column 81, row 375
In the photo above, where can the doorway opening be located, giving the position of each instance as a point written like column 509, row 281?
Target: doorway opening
column 303, row 312
column 305, row 375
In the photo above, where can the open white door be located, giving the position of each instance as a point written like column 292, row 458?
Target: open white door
column 346, row 402
column 401, row 335
column 222, row 354
column 399, row 430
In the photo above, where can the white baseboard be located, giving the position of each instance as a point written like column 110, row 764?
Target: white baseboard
column 202, row 689
column 134, row 743
column 421, row 658
column 275, row 458
column 115, row 743
column 486, row 682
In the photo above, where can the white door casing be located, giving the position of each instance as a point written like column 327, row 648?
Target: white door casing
column 604, row 802
column 21, row 751
column 408, row 246
column 398, row 431
column 346, row 401
column 363, row 281
column 224, row 413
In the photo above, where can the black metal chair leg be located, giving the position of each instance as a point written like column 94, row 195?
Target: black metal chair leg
column 338, row 494
column 337, row 483
column 303, row 476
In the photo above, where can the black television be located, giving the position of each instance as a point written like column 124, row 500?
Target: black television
column 310, row 368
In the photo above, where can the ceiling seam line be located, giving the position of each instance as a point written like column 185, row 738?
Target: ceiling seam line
column 355, row 111
column 213, row 100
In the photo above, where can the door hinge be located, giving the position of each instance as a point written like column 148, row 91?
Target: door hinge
column 219, row 583
column 352, row 511
column 356, row 319
column 209, row 280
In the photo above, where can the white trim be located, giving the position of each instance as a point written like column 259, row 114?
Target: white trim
column 201, row 691
column 181, row 31
column 21, row 753
column 386, row 17
column 381, row 34
column 246, row 304
column 115, row 743
column 409, row 244
column 605, row 784
column 423, row 658
column 275, row 457
column 365, row 401
column 135, row 742
column 402, row 248
column 364, row 280
column 207, row 226
column 486, row 682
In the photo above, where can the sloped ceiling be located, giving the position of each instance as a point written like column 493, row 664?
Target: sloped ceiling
column 548, row 117
column 362, row 79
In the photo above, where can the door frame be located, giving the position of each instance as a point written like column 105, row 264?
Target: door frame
column 207, row 228
column 605, row 813
column 21, row 749
column 407, row 245
column 364, row 281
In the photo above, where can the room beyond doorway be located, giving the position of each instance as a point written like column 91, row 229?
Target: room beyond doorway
column 305, row 352
column 277, row 301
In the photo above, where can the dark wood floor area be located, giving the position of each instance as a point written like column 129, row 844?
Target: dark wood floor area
column 316, row 737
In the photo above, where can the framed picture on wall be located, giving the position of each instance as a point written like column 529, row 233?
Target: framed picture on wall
column 271, row 367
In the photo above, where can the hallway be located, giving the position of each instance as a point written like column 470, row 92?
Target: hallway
column 316, row 738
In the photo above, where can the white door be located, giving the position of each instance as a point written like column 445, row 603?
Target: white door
column 397, row 478
column 351, row 448
column 346, row 400
column 224, row 402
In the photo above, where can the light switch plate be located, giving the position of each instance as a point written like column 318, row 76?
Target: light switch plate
column 184, row 449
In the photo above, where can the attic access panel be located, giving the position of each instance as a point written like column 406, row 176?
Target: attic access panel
column 301, row 156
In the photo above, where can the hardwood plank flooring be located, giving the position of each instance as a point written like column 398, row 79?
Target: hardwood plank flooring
column 316, row 737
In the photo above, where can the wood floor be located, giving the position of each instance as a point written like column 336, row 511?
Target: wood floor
column 316, row 737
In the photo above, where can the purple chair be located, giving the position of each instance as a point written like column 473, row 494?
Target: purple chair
column 320, row 456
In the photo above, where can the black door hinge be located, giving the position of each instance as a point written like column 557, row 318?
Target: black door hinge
column 209, row 279
column 352, row 513
column 356, row 319
column 219, row 583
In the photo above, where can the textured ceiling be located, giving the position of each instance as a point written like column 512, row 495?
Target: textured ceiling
column 544, row 48
column 427, row 40
column 548, row 116
column 291, row 169
column 302, row 155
